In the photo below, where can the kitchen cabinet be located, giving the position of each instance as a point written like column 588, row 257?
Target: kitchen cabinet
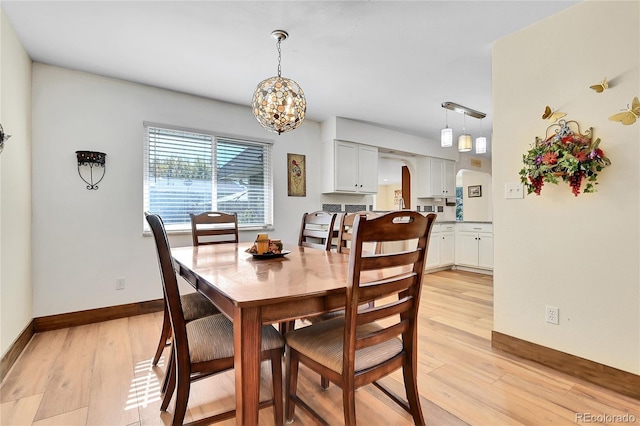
column 436, row 178
column 474, row 245
column 350, row 168
column 441, row 251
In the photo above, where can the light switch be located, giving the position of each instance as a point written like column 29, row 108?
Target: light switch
column 513, row 190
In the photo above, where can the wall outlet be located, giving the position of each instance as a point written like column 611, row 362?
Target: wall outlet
column 551, row 315
column 120, row 283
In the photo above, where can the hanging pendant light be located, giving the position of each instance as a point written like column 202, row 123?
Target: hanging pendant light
column 481, row 142
column 278, row 103
column 464, row 140
column 446, row 135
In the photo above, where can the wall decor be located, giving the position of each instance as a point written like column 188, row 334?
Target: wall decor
column 630, row 115
column 600, row 87
column 3, row 137
column 91, row 159
column 552, row 115
column 566, row 155
column 296, row 175
column 475, row 191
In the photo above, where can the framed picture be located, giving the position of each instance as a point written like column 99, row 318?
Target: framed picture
column 296, row 175
column 475, row 191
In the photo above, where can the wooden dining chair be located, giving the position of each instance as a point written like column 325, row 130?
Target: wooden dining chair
column 356, row 349
column 345, row 231
column 214, row 228
column 205, row 346
column 316, row 230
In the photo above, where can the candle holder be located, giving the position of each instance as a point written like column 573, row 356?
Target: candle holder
column 91, row 159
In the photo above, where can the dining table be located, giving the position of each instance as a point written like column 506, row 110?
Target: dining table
column 252, row 290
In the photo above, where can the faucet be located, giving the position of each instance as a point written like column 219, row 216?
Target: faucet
column 401, row 204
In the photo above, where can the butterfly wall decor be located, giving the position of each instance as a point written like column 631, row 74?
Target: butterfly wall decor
column 552, row 115
column 600, row 87
column 630, row 115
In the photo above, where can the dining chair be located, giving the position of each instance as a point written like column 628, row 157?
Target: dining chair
column 357, row 349
column 316, row 230
column 195, row 305
column 214, row 228
column 205, row 346
column 345, row 230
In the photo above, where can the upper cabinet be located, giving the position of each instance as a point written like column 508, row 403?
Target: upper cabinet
column 436, row 178
column 349, row 168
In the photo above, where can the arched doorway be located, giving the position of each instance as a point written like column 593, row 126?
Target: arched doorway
column 474, row 196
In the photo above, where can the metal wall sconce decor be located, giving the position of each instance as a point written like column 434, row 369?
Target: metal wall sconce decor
column 3, row 138
column 91, row 159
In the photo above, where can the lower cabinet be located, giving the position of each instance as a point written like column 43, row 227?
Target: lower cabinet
column 441, row 251
column 474, row 245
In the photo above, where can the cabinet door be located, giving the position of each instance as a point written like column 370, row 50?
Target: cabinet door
column 433, row 252
column 467, row 249
column 367, row 169
column 346, row 163
column 485, row 251
column 447, row 248
column 436, row 184
column 449, row 178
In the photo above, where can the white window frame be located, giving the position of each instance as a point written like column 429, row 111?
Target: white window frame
column 216, row 137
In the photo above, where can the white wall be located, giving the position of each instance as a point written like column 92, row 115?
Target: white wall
column 581, row 254
column 84, row 239
column 476, row 209
column 15, row 187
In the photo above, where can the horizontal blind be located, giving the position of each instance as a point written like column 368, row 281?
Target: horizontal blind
column 192, row 172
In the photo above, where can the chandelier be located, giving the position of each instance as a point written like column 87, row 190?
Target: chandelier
column 278, row 103
column 464, row 140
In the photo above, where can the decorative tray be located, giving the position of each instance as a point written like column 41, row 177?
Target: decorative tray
column 270, row 255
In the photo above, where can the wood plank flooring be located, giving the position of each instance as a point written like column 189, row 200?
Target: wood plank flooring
column 101, row 374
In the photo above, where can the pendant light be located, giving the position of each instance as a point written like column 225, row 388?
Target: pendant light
column 464, row 140
column 279, row 103
column 446, row 135
column 481, row 142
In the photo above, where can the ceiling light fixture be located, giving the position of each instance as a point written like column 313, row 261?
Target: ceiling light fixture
column 481, row 142
column 446, row 135
column 464, row 140
column 279, row 103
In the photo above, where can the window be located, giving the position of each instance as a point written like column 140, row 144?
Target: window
column 189, row 171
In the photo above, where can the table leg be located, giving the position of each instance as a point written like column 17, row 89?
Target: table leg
column 247, row 335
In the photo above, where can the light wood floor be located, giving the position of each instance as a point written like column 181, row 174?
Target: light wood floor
column 100, row 374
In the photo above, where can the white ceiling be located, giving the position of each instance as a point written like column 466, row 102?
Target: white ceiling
column 391, row 63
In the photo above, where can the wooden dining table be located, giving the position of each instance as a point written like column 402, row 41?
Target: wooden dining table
column 253, row 291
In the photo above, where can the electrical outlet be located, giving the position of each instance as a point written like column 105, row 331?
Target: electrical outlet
column 552, row 315
column 120, row 283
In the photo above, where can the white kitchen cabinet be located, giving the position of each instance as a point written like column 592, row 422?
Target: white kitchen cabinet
column 441, row 251
column 474, row 245
column 436, row 178
column 350, row 168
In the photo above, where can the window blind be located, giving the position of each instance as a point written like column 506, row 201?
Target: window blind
column 191, row 172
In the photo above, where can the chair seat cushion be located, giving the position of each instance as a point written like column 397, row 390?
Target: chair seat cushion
column 211, row 338
column 195, row 305
column 323, row 342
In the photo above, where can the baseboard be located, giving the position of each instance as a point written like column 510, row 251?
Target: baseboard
column 72, row 319
column 472, row 269
column 608, row 377
column 16, row 349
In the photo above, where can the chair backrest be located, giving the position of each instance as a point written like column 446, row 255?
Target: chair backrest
column 394, row 280
column 316, row 230
column 346, row 229
column 170, row 287
column 214, row 228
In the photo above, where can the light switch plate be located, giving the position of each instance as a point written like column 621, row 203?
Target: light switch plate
column 513, row 190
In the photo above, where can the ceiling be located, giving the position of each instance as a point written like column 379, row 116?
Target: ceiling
column 391, row 63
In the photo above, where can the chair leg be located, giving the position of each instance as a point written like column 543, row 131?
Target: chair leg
column 168, row 372
column 291, row 383
column 182, row 397
column 286, row 326
column 169, row 384
column 164, row 335
column 411, row 387
column 349, row 404
column 324, row 382
column 276, row 380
